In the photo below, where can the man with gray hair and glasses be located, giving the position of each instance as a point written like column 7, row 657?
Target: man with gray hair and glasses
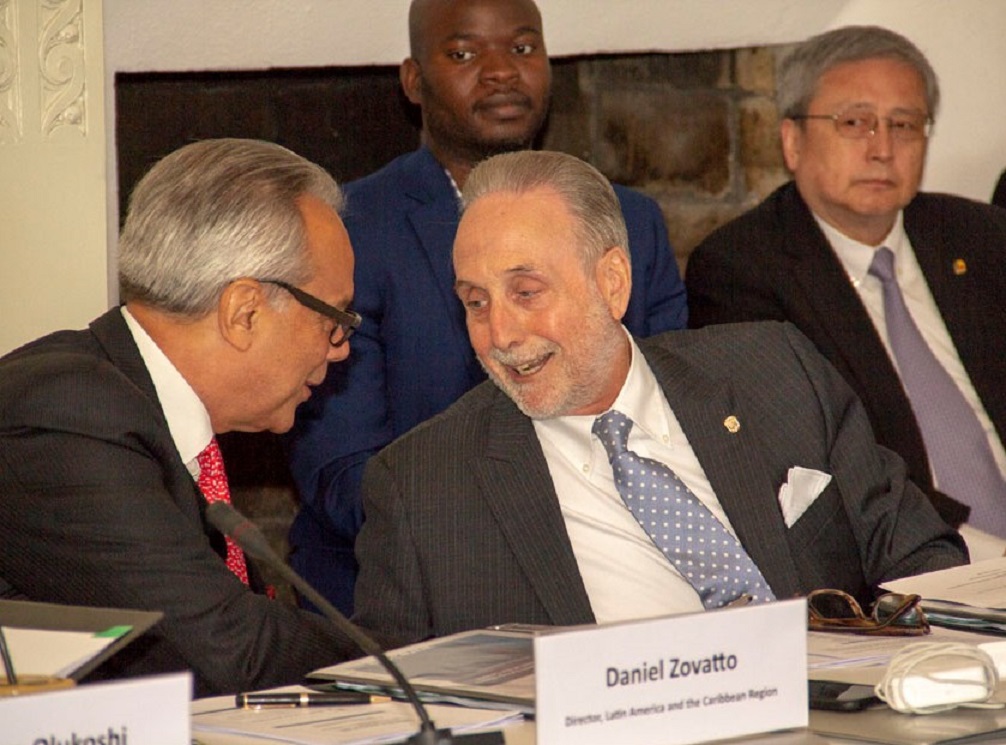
column 235, row 271
column 902, row 291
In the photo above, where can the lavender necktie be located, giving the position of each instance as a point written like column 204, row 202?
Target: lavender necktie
column 708, row 556
column 956, row 444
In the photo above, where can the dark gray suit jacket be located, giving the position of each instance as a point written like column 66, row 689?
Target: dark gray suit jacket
column 411, row 358
column 464, row 529
column 97, row 508
column 774, row 263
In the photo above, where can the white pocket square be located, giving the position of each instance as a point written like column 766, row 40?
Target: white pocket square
column 802, row 487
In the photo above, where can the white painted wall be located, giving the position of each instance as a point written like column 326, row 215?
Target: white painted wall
column 965, row 41
column 53, row 247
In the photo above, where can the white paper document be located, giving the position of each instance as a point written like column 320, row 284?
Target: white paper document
column 482, row 668
column 56, row 653
column 982, row 584
column 354, row 724
column 857, row 658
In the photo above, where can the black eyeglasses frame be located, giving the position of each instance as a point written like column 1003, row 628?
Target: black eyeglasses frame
column 346, row 321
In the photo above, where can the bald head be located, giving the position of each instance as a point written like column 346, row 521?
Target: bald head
column 424, row 15
column 480, row 74
column 419, row 12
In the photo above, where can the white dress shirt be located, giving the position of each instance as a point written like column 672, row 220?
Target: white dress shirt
column 626, row 576
column 188, row 419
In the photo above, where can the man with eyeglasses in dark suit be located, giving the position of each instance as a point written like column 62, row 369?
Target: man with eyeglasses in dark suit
column 235, row 270
column 919, row 334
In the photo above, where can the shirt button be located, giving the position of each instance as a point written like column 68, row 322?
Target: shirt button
column 586, row 468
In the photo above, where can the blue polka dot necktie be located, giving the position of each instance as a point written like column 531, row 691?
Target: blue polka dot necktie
column 706, row 554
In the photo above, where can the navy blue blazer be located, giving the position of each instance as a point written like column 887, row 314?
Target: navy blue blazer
column 411, row 357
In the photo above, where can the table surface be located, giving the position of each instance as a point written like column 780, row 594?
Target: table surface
column 523, row 733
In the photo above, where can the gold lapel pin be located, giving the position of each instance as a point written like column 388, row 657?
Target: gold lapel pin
column 732, row 424
column 960, row 267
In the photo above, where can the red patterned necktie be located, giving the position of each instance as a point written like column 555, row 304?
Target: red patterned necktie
column 213, row 485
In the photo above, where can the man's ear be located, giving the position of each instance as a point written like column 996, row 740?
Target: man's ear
column 411, row 78
column 614, row 279
column 239, row 312
column 791, row 134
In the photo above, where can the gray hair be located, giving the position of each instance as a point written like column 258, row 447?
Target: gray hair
column 802, row 70
column 597, row 214
column 215, row 211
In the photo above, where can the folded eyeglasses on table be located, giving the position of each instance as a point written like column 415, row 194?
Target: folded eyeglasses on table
column 893, row 614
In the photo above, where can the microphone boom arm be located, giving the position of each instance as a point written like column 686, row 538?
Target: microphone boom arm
column 225, row 518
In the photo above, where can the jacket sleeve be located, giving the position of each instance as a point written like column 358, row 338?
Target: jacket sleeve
column 895, row 529
column 97, row 509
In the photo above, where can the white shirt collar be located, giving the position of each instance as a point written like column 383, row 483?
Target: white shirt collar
column 635, row 398
column 855, row 256
column 454, row 184
column 188, row 419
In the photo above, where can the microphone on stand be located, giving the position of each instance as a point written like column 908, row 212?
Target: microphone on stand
column 246, row 534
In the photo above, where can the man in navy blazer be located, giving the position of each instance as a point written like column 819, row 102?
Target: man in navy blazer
column 858, row 105
column 103, row 431
column 506, row 508
column 480, row 73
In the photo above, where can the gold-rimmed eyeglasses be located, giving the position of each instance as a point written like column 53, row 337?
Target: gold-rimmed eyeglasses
column 892, row 614
column 346, row 321
column 857, row 124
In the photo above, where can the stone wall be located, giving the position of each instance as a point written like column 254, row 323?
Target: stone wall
column 698, row 132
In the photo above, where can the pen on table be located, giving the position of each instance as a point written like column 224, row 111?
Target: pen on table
column 305, row 698
column 8, row 663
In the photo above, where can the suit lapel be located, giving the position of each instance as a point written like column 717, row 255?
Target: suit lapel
column 112, row 333
column 434, row 218
column 828, row 309
column 830, row 296
column 732, row 463
column 519, row 491
column 952, row 290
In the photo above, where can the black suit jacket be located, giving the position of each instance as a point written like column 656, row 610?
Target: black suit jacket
column 774, row 263
column 464, row 528
column 97, row 508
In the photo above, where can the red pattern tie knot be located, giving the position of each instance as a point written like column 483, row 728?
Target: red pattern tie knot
column 213, row 485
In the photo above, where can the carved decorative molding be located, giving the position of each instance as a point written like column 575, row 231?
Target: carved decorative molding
column 61, row 66
column 10, row 99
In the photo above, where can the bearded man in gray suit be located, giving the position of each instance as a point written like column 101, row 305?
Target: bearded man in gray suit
column 508, row 507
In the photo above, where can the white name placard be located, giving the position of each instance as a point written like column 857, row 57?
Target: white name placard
column 143, row 711
column 675, row 680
